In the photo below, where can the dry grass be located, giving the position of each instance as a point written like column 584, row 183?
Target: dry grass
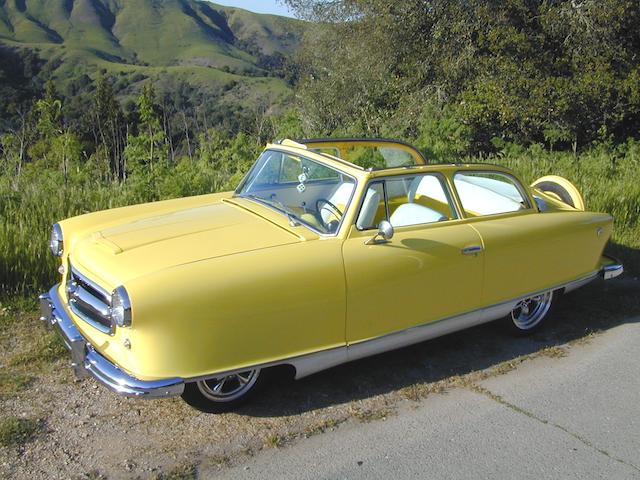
column 274, row 441
column 186, row 471
column 321, row 427
column 371, row 413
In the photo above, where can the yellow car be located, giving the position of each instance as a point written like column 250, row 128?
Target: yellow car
column 328, row 251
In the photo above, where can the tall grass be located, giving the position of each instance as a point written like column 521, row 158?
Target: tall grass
column 608, row 177
column 26, row 264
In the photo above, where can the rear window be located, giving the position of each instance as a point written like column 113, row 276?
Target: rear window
column 380, row 157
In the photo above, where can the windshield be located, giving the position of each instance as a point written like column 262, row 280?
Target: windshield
column 306, row 191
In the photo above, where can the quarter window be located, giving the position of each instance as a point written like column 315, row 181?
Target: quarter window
column 489, row 193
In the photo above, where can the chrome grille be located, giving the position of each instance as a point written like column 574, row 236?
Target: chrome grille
column 89, row 301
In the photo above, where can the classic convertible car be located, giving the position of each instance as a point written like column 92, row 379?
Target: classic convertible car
column 329, row 250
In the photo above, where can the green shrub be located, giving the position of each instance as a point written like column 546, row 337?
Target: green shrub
column 16, row 431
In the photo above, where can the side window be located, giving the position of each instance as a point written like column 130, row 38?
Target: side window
column 418, row 200
column 489, row 193
column 409, row 200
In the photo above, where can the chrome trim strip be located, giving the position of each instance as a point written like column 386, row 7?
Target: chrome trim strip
column 87, row 361
column 84, row 297
column 89, row 301
column 73, row 305
column 429, row 331
column 316, row 362
column 106, row 295
column 311, row 363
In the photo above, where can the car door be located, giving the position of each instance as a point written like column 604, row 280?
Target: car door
column 525, row 251
column 430, row 270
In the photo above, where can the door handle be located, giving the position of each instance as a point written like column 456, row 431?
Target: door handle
column 472, row 250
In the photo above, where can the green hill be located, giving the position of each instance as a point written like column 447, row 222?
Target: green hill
column 212, row 47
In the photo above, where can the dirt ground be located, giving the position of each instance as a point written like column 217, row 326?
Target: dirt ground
column 77, row 429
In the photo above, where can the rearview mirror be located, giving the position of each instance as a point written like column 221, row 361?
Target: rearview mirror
column 385, row 233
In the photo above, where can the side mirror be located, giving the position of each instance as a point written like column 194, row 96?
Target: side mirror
column 385, row 233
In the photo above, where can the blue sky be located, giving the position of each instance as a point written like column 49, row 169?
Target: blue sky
column 260, row 6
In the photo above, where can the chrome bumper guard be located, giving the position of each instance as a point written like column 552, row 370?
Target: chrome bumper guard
column 612, row 271
column 86, row 361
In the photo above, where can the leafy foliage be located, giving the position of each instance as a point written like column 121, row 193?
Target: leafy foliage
column 564, row 73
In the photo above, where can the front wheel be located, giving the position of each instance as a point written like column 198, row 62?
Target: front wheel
column 223, row 394
column 529, row 313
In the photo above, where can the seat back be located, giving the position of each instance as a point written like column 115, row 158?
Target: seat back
column 414, row 214
column 368, row 210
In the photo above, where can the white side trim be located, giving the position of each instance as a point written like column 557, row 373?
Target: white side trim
column 317, row 362
column 309, row 364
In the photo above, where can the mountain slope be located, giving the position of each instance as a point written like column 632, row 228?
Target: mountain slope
column 199, row 41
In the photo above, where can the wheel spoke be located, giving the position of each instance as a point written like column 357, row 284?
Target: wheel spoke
column 218, row 387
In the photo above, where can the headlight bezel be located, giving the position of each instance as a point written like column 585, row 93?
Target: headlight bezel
column 56, row 240
column 120, row 310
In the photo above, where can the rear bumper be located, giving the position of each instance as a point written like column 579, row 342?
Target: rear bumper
column 86, row 361
column 612, row 269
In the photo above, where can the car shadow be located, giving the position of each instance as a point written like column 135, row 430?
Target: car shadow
column 596, row 307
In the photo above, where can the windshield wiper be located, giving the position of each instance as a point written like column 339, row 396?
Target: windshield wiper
column 294, row 220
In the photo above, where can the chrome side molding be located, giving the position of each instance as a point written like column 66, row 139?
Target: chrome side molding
column 316, row 362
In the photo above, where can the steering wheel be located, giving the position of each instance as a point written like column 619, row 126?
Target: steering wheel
column 323, row 203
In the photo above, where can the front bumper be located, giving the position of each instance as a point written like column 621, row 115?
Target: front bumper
column 86, row 361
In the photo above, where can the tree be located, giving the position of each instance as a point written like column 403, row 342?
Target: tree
column 146, row 152
column 49, row 112
column 516, row 70
column 108, row 125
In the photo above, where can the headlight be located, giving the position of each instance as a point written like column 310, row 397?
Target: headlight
column 121, row 307
column 55, row 241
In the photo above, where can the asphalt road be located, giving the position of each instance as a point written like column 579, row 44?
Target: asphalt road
column 576, row 416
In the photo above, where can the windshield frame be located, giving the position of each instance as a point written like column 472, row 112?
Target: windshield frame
column 292, row 217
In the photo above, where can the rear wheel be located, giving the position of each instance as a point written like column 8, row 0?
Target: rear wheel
column 224, row 393
column 530, row 313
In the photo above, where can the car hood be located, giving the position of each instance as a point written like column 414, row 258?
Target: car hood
column 135, row 248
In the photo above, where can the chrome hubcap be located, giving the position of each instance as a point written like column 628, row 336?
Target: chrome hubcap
column 530, row 311
column 230, row 387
